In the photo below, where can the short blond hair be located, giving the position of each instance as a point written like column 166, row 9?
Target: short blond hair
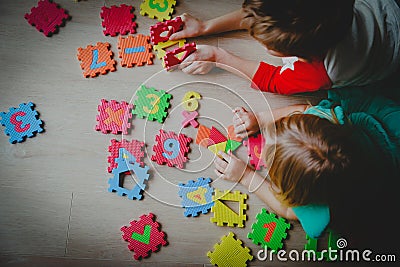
column 308, row 154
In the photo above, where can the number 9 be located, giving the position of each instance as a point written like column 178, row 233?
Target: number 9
column 190, row 102
column 171, row 145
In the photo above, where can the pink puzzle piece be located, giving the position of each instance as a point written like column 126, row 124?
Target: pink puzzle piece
column 172, row 61
column 118, row 20
column 113, row 117
column 171, row 149
column 144, row 236
column 134, row 147
column 47, row 17
column 255, row 144
column 190, row 118
column 169, row 26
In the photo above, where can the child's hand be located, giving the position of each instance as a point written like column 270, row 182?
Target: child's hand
column 192, row 27
column 245, row 123
column 202, row 61
column 230, row 167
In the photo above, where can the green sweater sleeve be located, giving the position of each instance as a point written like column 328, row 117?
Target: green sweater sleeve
column 378, row 120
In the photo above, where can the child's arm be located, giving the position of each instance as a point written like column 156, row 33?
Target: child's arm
column 247, row 123
column 233, row 169
column 207, row 57
column 195, row 27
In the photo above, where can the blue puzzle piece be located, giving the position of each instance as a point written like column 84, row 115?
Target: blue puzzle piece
column 196, row 196
column 21, row 122
column 127, row 162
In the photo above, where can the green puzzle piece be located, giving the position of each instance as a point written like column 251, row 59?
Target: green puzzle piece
column 232, row 145
column 145, row 237
column 151, row 104
column 269, row 231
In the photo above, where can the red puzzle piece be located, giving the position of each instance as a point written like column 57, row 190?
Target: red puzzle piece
column 134, row 147
column 47, row 17
column 171, row 149
column 203, row 134
column 144, row 236
column 113, row 117
column 135, row 50
column 96, row 60
column 118, row 20
column 255, row 144
column 215, row 137
column 170, row 58
column 169, row 26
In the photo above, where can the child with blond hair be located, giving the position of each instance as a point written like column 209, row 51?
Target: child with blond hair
column 322, row 44
column 329, row 165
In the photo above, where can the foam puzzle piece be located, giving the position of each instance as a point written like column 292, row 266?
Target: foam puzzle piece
column 196, row 196
column 216, row 137
column 135, row 50
column 232, row 145
column 171, row 148
column 232, row 135
column 190, row 101
column 169, row 26
column 118, row 20
column 151, row 103
column 269, row 231
column 203, row 134
column 21, row 122
column 217, row 148
column 127, row 162
column 162, row 10
column 47, row 17
column 230, row 252
column 190, row 118
column 255, row 144
column 144, row 236
column 312, row 245
column 161, row 47
column 96, row 59
column 225, row 215
column 134, row 147
column 113, row 117
column 171, row 60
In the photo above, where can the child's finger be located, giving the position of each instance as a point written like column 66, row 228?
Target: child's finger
column 219, row 167
column 239, row 109
column 240, row 129
column 220, row 175
column 225, row 156
column 221, row 163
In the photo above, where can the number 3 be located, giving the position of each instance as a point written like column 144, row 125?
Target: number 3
column 153, row 103
column 158, row 7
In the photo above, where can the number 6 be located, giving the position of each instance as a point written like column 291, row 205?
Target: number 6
column 190, row 102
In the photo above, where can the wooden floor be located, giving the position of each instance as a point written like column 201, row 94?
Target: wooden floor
column 55, row 208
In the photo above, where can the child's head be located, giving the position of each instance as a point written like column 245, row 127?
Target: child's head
column 306, row 157
column 303, row 28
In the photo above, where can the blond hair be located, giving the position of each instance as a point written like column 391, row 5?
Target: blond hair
column 308, row 154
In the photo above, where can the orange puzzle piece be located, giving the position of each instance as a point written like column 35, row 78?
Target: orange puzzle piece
column 135, row 50
column 96, row 59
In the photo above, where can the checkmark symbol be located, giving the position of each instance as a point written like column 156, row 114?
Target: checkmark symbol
column 145, row 237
